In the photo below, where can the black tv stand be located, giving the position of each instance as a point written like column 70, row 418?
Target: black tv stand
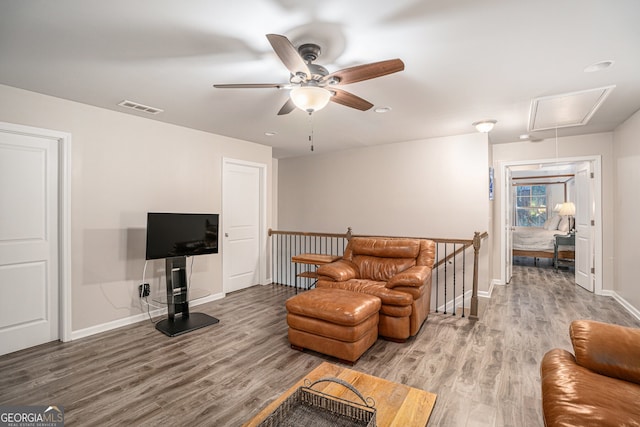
column 179, row 320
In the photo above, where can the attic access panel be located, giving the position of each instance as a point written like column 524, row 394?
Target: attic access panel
column 566, row 110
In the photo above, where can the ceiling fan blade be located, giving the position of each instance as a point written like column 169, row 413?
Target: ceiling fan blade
column 288, row 107
column 366, row 71
column 350, row 100
column 288, row 54
column 251, row 86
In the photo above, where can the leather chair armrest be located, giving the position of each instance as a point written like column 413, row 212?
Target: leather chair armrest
column 607, row 349
column 414, row 277
column 339, row 271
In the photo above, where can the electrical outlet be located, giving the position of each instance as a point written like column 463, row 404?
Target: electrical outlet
column 144, row 290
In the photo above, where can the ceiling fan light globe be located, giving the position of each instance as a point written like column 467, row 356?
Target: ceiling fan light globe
column 310, row 98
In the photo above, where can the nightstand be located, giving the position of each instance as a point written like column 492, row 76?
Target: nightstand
column 563, row 240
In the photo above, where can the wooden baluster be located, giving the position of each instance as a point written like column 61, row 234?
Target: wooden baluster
column 473, row 313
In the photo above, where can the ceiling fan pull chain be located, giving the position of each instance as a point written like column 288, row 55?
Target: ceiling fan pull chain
column 311, row 134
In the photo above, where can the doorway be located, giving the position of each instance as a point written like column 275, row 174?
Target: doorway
column 243, row 224
column 34, row 237
column 588, row 265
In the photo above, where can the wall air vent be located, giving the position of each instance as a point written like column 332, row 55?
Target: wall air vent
column 566, row 110
column 140, row 107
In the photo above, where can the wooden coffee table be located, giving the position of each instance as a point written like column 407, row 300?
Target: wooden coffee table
column 397, row 405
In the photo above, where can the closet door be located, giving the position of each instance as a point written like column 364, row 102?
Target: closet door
column 242, row 221
column 28, row 241
column 509, row 197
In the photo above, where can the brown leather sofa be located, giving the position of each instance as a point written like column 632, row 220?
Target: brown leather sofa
column 600, row 385
column 398, row 271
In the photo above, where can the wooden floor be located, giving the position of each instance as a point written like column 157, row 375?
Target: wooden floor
column 484, row 373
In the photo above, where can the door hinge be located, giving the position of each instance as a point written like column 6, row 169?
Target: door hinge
column 593, row 222
column 593, row 175
column 593, row 270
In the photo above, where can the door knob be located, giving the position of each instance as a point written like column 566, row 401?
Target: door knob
column 226, row 234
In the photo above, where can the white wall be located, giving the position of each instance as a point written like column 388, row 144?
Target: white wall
column 122, row 167
column 626, row 152
column 429, row 188
column 436, row 187
column 575, row 146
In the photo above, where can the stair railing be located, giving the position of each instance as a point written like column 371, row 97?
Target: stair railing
column 450, row 275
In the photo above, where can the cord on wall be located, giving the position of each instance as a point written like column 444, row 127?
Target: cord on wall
column 145, row 298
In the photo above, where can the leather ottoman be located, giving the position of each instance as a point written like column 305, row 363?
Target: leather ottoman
column 335, row 322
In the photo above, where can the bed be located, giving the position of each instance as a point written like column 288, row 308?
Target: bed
column 537, row 242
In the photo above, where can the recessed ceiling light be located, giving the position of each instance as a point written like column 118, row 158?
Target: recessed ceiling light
column 525, row 136
column 271, row 133
column 382, row 109
column 599, row 66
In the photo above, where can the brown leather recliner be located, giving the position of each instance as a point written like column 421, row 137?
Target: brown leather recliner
column 398, row 271
column 600, row 385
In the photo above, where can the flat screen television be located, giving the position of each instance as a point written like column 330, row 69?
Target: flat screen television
column 172, row 235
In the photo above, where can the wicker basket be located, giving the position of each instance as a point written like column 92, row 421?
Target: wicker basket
column 312, row 408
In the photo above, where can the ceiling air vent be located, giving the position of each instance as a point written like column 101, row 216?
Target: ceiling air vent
column 566, row 110
column 140, row 107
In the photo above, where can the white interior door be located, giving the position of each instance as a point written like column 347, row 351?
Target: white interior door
column 584, row 229
column 29, row 185
column 243, row 210
column 508, row 226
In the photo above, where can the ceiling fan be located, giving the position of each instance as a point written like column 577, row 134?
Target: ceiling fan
column 312, row 86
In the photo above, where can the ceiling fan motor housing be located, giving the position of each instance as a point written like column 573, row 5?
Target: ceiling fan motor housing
column 309, row 51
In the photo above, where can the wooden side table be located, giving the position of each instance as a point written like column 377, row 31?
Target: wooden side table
column 562, row 240
column 311, row 259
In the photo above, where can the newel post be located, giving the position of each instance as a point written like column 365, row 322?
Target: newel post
column 473, row 312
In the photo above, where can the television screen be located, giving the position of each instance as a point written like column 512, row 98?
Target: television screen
column 181, row 234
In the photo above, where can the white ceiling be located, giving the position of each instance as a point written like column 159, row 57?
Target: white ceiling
column 465, row 60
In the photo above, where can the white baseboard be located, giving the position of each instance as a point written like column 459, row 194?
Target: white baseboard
column 210, row 298
column 467, row 297
column 487, row 294
column 104, row 327
column 627, row 306
column 457, row 303
column 497, row 282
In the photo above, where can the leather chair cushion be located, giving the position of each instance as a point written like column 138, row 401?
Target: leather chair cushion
column 413, row 277
column 370, row 287
column 427, row 253
column 347, row 351
column 573, row 395
column 332, row 330
column 338, row 271
column 396, row 310
column 384, row 248
column 334, row 305
column 381, row 269
column 607, row 349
